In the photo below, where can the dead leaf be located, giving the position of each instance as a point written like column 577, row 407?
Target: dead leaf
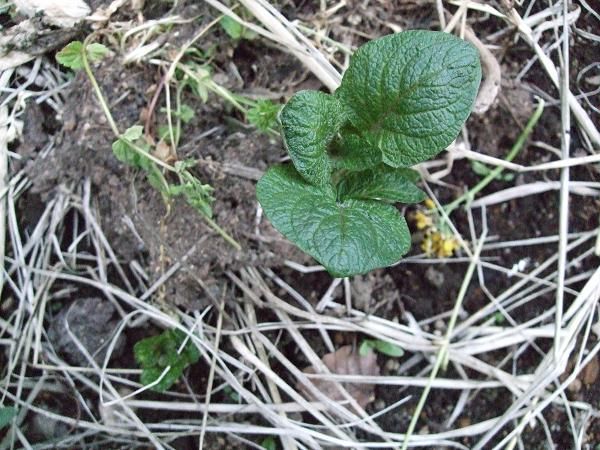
column 162, row 151
column 490, row 86
column 346, row 361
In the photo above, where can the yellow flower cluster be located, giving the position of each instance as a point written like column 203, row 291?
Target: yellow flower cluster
column 435, row 242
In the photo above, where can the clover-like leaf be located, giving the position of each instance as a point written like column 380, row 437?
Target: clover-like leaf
column 71, row 55
column 347, row 237
column 382, row 183
column 411, row 92
column 309, row 121
column 96, row 51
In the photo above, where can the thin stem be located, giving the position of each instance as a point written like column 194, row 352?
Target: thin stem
column 97, row 90
column 117, row 133
column 223, row 233
column 108, row 114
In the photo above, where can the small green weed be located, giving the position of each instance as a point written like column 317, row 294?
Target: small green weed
column 263, row 115
column 236, row 30
column 133, row 149
column 74, row 54
column 269, row 443
column 383, row 347
column 157, row 353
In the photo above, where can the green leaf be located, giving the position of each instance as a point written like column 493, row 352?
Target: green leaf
column 387, row 348
column 351, row 151
column 499, row 318
column 185, row 113
column 197, row 195
column 382, row 183
column 133, row 133
column 411, row 92
column 96, row 51
column 263, row 115
column 269, row 443
column 309, row 121
column 7, row 414
column 156, row 179
column 156, row 353
column 236, row 30
column 124, row 151
column 71, row 55
column 164, row 133
column 347, row 238
column 232, row 27
column 233, row 395
column 184, row 164
column 383, row 347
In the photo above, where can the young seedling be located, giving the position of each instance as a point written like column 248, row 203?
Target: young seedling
column 131, row 148
column 403, row 99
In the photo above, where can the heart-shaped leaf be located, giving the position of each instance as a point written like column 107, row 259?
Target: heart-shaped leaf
column 309, row 121
column 382, row 183
column 411, row 92
column 347, row 237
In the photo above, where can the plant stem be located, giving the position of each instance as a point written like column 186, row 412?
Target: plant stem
column 97, row 90
column 107, row 113
column 514, row 151
column 223, row 233
column 113, row 125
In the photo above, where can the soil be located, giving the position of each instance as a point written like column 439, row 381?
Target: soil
column 229, row 153
column 83, row 152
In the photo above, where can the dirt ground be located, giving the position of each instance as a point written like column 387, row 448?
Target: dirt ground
column 231, row 154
